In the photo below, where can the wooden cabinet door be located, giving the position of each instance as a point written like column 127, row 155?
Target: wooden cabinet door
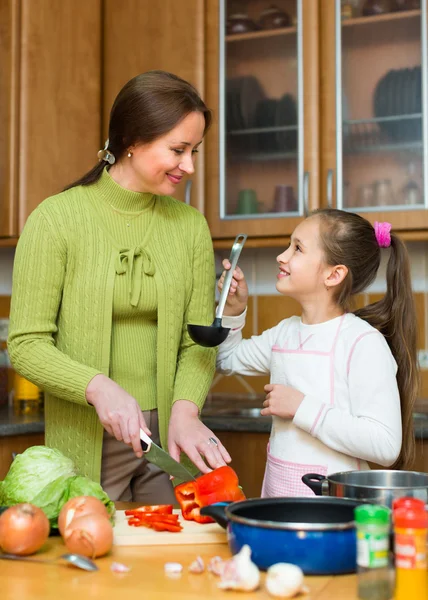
column 59, row 120
column 9, row 103
column 251, row 147
column 142, row 35
column 374, row 134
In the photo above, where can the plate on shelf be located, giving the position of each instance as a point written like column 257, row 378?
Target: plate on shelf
column 265, row 117
column 286, row 115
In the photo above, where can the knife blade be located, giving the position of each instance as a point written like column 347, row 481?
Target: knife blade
column 157, row 456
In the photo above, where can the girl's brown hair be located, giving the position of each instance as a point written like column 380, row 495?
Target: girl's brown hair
column 147, row 107
column 349, row 239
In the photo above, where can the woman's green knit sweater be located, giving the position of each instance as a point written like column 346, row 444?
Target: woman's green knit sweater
column 76, row 262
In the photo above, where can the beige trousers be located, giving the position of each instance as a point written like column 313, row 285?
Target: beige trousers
column 127, row 478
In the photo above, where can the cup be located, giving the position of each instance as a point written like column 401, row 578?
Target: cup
column 284, row 200
column 247, row 202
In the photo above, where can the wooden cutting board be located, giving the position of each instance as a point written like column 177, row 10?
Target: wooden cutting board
column 192, row 533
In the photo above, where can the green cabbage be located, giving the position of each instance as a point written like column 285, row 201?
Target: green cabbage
column 31, row 471
column 46, row 478
column 53, row 497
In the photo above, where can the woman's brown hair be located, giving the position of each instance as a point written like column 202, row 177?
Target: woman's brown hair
column 349, row 239
column 147, row 107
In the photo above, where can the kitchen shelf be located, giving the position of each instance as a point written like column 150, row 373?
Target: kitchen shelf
column 255, row 130
column 367, row 135
column 256, row 35
column 262, row 156
column 393, row 16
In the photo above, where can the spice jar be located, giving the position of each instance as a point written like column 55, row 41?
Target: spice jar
column 408, row 502
column 373, row 569
column 410, row 529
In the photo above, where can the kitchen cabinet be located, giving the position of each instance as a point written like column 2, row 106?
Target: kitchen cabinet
column 50, row 56
column 263, row 150
column 356, row 137
column 140, row 36
column 374, row 128
column 17, row 444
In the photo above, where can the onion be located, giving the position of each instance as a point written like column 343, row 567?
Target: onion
column 90, row 535
column 24, row 528
column 78, row 507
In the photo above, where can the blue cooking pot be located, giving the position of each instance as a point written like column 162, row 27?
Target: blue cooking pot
column 317, row 534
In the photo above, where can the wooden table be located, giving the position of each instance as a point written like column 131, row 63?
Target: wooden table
column 145, row 581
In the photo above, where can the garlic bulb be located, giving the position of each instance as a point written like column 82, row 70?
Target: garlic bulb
column 284, row 580
column 240, row 573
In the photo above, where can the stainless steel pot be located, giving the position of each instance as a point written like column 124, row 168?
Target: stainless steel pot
column 376, row 486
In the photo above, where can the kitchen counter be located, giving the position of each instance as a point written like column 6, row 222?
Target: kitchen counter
column 235, row 413
column 146, row 578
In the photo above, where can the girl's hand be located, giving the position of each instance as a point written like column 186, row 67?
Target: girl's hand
column 189, row 435
column 118, row 411
column 281, row 401
column 237, row 298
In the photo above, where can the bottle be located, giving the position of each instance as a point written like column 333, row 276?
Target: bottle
column 410, row 529
column 373, row 565
column 26, row 398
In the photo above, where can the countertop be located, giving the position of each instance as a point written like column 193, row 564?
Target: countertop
column 146, row 578
column 221, row 413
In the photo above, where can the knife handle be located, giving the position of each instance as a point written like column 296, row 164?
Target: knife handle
column 146, row 442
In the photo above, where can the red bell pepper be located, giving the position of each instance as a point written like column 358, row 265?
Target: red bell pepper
column 220, row 485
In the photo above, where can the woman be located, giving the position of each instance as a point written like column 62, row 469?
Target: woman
column 107, row 275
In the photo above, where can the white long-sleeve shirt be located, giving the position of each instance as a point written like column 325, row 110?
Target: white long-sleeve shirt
column 350, row 413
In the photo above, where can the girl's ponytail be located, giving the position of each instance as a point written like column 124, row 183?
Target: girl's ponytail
column 395, row 317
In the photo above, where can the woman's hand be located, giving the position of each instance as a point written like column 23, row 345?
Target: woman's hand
column 281, row 401
column 118, row 411
column 237, row 297
column 189, row 435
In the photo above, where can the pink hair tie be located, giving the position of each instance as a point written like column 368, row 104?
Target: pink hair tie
column 382, row 233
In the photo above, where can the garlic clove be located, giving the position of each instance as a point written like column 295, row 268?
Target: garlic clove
column 216, row 565
column 197, row 566
column 284, row 580
column 240, row 573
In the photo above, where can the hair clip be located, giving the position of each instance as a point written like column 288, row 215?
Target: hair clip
column 105, row 155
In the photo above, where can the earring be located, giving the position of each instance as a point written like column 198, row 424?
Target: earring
column 129, row 154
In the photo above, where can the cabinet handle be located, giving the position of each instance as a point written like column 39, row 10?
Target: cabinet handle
column 330, row 188
column 187, row 191
column 306, row 193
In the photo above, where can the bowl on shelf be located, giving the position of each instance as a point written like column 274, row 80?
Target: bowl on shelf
column 240, row 23
column 274, row 18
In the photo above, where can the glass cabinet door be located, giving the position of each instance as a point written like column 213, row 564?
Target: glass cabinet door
column 260, row 117
column 381, row 92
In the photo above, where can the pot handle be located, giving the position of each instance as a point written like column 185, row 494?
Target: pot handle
column 314, row 481
column 217, row 512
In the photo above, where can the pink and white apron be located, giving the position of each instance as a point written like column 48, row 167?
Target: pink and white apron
column 293, row 452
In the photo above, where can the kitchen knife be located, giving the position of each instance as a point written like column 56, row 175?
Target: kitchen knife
column 154, row 454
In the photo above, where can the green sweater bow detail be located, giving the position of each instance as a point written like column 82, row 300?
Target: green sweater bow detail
column 134, row 261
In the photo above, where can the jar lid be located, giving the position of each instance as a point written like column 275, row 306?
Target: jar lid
column 372, row 514
column 412, row 518
column 408, row 502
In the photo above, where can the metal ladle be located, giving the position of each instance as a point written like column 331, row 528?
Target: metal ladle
column 82, row 562
column 213, row 335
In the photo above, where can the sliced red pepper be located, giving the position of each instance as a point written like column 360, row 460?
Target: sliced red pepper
column 161, row 523
column 162, row 509
column 152, row 515
column 220, row 485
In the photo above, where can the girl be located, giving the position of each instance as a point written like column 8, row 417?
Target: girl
column 343, row 383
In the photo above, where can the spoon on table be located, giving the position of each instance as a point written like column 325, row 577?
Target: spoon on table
column 82, row 562
column 214, row 334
